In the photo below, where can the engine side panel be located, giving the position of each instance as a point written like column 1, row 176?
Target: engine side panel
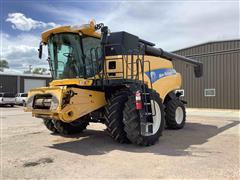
column 84, row 102
column 167, row 84
column 163, row 76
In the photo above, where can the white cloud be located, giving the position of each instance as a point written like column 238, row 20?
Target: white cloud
column 21, row 51
column 171, row 25
column 12, row 71
column 177, row 25
column 21, row 22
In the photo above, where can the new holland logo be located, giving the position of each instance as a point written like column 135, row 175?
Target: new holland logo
column 160, row 73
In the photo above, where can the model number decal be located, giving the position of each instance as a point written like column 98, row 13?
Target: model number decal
column 160, row 73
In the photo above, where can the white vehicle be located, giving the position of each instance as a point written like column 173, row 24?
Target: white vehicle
column 21, row 98
column 7, row 99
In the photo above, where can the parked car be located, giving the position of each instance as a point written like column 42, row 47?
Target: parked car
column 21, row 98
column 7, row 99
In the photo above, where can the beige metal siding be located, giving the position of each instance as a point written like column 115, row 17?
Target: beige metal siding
column 221, row 71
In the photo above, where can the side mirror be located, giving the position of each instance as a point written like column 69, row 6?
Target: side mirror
column 104, row 34
column 40, row 51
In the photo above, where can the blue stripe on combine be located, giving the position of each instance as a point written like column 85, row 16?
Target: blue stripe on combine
column 157, row 74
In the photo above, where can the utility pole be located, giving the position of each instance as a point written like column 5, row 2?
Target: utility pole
column 30, row 68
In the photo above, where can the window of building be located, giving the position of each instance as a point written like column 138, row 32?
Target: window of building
column 180, row 91
column 209, row 92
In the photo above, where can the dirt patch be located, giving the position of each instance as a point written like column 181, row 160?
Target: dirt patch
column 38, row 162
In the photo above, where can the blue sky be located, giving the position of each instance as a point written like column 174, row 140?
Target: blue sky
column 169, row 24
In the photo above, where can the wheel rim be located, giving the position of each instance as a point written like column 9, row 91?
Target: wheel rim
column 156, row 119
column 179, row 115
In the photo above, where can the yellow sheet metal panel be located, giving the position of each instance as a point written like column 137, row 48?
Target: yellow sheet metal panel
column 164, row 84
column 164, row 77
column 157, row 62
column 167, row 84
column 127, row 67
column 76, row 81
column 84, row 102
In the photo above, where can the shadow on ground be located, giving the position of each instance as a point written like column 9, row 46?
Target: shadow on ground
column 172, row 143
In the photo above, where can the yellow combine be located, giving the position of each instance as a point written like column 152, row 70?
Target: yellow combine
column 114, row 78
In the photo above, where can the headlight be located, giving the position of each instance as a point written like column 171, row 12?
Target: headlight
column 54, row 103
column 29, row 102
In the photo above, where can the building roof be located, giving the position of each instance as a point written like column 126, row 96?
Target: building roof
column 25, row 75
column 206, row 43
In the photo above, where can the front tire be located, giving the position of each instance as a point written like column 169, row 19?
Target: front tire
column 132, row 122
column 49, row 125
column 74, row 127
column 114, row 116
column 70, row 128
column 175, row 114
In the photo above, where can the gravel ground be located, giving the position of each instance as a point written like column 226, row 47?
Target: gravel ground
column 208, row 147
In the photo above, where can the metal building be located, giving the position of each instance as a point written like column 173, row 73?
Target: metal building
column 19, row 83
column 220, row 85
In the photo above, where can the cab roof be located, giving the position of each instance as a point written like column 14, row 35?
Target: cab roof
column 86, row 29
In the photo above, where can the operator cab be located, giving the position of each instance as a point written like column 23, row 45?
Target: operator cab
column 73, row 56
column 73, row 52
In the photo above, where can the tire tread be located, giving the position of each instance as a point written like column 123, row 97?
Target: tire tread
column 171, row 107
column 114, row 115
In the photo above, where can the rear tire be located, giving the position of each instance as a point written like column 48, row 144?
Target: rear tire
column 175, row 114
column 114, row 116
column 49, row 125
column 132, row 122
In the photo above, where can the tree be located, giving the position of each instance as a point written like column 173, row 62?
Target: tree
column 39, row 70
column 3, row 65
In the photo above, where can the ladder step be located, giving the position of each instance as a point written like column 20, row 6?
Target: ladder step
column 147, row 114
column 147, row 103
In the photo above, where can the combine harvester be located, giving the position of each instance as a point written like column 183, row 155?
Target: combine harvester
column 114, row 78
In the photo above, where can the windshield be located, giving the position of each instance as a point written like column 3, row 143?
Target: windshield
column 74, row 56
column 24, row 95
